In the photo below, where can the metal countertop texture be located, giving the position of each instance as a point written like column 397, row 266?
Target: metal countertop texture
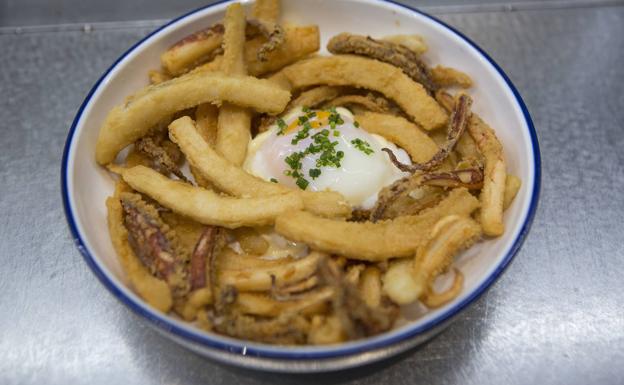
column 555, row 317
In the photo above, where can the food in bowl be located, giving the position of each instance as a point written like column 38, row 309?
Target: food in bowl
column 323, row 193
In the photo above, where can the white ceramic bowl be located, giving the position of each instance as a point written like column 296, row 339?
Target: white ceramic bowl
column 85, row 186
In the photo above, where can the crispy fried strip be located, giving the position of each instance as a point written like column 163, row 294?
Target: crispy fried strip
column 192, row 50
column 228, row 259
column 457, row 125
column 415, row 43
column 206, row 245
column 157, row 77
column 435, row 300
column 207, row 207
column 495, row 174
column 268, row 10
column 325, row 330
column 386, row 51
column 160, row 158
column 206, row 120
column 493, row 192
column 263, row 305
column 470, row 178
column 346, row 70
column 316, row 96
column 450, row 235
column 259, row 279
column 128, row 122
column 300, row 41
column 449, row 77
column 410, row 279
column 512, row 186
column 370, row 286
column 234, row 122
column 372, row 241
column 234, row 180
column 154, row 291
column 357, row 318
column 147, row 238
column 420, row 147
column 290, row 291
column 274, row 34
column 286, row 329
column 399, row 284
column 389, row 194
column 368, row 102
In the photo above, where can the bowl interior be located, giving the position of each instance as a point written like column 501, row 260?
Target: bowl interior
column 88, row 185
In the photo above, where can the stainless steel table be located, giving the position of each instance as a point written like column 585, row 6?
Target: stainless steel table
column 555, row 317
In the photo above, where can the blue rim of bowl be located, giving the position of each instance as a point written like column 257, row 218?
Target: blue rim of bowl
column 161, row 320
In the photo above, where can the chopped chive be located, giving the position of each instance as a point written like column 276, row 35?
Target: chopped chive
column 302, row 183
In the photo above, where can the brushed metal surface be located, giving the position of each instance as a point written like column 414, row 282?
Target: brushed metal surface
column 555, row 317
column 38, row 12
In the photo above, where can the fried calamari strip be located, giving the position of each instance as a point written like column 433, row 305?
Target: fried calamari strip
column 356, row 317
column 372, row 241
column 300, row 41
column 457, row 125
column 274, row 34
column 153, row 242
column 444, row 77
column 512, row 186
column 347, row 70
column 157, row 77
column 286, row 329
column 207, row 207
column 388, row 52
column 154, row 291
column 236, row 181
column 288, row 292
column 449, row 236
column 234, row 122
column 263, row 305
column 161, row 159
column 207, row 123
column 412, row 190
column 128, row 122
column 401, row 132
column 415, row 43
column 192, row 50
column 368, row 102
column 370, row 286
column 146, row 237
column 434, row 300
column 410, row 279
column 262, row 279
column 205, row 247
column 495, row 174
column 268, row 10
column 470, row 178
column 316, row 96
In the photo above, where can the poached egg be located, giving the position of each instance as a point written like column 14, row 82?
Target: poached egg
column 320, row 150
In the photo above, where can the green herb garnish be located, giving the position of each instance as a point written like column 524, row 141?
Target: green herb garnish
column 281, row 124
column 302, row 183
column 362, row 145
